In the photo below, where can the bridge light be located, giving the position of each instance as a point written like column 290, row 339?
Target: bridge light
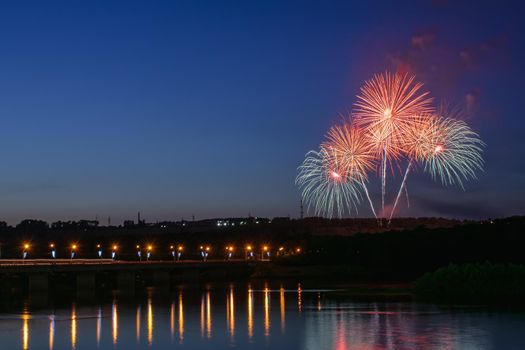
column 281, row 249
column 73, row 251
column 180, row 248
column 249, row 247
column 150, row 247
column 115, row 247
column 98, row 246
column 51, row 245
column 265, row 248
column 298, row 250
column 171, row 247
column 138, row 247
column 207, row 248
column 26, row 246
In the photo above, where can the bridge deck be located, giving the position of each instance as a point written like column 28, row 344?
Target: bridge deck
column 63, row 265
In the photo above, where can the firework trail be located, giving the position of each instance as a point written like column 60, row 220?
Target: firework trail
column 416, row 147
column 386, row 109
column 324, row 186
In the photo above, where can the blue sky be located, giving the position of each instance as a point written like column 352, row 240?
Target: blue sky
column 177, row 108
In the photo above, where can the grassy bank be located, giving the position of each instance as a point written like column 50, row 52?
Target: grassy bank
column 484, row 283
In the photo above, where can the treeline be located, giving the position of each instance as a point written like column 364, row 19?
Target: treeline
column 401, row 254
column 484, row 283
column 409, row 254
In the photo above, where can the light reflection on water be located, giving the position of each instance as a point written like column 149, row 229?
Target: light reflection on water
column 242, row 316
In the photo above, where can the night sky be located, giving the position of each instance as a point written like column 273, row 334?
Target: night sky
column 208, row 107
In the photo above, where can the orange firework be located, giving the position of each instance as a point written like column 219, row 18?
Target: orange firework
column 393, row 121
column 423, row 138
column 387, row 107
column 351, row 150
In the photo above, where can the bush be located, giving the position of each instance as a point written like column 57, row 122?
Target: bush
column 474, row 284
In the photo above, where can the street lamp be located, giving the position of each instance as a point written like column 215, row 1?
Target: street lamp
column 139, row 253
column 229, row 252
column 148, row 253
column 25, row 251
column 205, row 251
column 265, row 254
column 179, row 252
column 53, row 250
column 173, row 255
column 73, row 251
column 99, row 251
column 114, row 252
column 249, row 252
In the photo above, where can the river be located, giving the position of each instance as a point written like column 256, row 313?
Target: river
column 260, row 315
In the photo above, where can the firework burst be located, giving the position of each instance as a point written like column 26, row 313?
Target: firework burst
column 351, row 151
column 452, row 152
column 387, row 108
column 393, row 119
column 324, row 186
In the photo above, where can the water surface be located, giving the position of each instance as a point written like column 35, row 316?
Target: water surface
column 253, row 316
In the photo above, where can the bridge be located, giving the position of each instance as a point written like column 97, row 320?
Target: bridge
column 87, row 274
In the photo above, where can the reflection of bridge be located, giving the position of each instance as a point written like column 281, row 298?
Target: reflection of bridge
column 86, row 274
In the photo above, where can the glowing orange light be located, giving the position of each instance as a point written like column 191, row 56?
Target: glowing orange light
column 298, row 250
column 98, row 245
column 207, row 249
column 74, row 246
column 115, row 247
column 150, row 247
column 26, row 246
column 171, row 247
column 265, row 248
column 180, row 248
column 281, row 249
column 52, row 245
column 249, row 247
column 138, row 247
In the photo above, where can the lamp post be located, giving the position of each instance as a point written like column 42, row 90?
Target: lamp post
column 173, row 254
column 205, row 251
column 53, row 251
column 139, row 252
column 99, row 251
column 148, row 253
column 25, row 251
column 265, row 253
column 73, row 251
column 249, row 252
column 179, row 252
column 229, row 252
column 114, row 252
